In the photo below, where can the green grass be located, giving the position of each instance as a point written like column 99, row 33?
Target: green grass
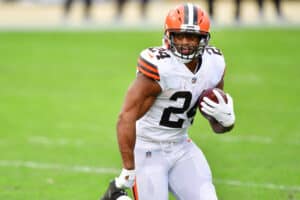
column 60, row 94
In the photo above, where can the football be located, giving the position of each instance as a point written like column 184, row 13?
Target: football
column 211, row 95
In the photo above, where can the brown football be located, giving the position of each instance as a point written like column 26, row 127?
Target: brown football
column 211, row 95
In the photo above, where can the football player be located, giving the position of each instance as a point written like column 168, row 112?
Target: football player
column 152, row 129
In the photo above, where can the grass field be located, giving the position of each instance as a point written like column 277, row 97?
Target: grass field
column 60, row 94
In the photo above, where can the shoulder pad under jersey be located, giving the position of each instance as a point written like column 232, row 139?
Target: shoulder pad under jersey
column 214, row 52
column 216, row 56
column 150, row 59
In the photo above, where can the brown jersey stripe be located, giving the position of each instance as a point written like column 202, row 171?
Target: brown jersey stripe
column 148, row 65
column 147, row 70
column 148, row 74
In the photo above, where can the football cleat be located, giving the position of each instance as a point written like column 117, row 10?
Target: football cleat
column 114, row 193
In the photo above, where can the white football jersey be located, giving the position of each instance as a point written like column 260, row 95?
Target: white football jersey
column 175, row 107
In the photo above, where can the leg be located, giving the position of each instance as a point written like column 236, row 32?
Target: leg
column 237, row 10
column 191, row 177
column 144, row 4
column 260, row 4
column 87, row 8
column 151, row 175
column 278, row 8
column 211, row 8
column 120, row 8
column 67, row 6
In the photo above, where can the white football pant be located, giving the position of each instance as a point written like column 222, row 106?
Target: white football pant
column 177, row 167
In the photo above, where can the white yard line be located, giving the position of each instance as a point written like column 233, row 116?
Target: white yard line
column 56, row 166
column 270, row 186
column 47, row 141
column 114, row 171
column 251, row 139
column 257, row 139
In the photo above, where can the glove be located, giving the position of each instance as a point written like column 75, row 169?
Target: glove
column 223, row 112
column 113, row 193
column 126, row 179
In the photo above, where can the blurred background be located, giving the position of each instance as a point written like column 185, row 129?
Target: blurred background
column 141, row 13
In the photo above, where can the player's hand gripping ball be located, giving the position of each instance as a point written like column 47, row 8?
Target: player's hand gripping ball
column 214, row 104
column 211, row 95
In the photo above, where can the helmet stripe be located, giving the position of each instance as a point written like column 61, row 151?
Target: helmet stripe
column 191, row 18
column 195, row 19
column 191, row 14
column 186, row 14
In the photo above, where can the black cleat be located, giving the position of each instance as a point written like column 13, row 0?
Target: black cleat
column 112, row 192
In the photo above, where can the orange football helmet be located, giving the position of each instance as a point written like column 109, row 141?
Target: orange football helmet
column 187, row 18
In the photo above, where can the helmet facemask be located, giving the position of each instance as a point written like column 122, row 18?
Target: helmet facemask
column 187, row 53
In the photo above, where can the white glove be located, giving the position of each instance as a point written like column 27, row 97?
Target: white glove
column 222, row 111
column 126, row 179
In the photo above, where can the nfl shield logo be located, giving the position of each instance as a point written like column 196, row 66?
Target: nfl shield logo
column 194, row 80
column 148, row 154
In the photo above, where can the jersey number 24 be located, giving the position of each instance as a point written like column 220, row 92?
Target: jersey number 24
column 165, row 119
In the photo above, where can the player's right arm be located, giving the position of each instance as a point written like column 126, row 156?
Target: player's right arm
column 139, row 98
